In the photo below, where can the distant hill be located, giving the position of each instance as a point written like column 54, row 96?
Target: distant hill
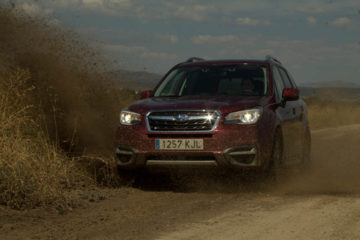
column 347, row 89
column 307, row 91
column 332, row 84
column 134, row 80
column 330, row 93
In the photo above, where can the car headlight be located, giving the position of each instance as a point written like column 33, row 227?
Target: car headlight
column 244, row 117
column 129, row 118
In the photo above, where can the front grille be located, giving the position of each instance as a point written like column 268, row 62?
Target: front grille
column 182, row 121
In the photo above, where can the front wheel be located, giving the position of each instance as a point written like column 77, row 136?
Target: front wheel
column 275, row 170
column 128, row 177
column 306, row 153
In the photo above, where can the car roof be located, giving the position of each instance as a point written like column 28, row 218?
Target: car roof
column 195, row 61
column 223, row 62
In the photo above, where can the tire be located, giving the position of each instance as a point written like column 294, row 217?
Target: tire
column 127, row 177
column 306, row 156
column 276, row 170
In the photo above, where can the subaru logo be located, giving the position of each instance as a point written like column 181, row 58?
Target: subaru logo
column 182, row 117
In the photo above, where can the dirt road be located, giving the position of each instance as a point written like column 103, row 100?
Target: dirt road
column 324, row 204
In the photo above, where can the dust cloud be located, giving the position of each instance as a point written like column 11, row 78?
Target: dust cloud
column 335, row 163
column 335, row 170
column 79, row 107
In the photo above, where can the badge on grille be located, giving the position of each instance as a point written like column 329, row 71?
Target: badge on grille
column 182, row 117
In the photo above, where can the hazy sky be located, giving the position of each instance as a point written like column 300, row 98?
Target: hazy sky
column 315, row 39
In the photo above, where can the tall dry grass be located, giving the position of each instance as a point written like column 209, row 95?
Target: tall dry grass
column 33, row 171
column 70, row 79
column 332, row 108
column 57, row 117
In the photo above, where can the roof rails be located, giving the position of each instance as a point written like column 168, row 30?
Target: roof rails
column 268, row 57
column 195, row 59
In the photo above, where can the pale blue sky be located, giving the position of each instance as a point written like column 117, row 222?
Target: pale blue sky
column 315, row 39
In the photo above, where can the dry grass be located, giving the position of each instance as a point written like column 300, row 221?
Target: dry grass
column 332, row 108
column 32, row 170
column 70, row 80
column 57, row 118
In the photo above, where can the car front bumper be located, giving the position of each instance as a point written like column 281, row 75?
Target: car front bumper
column 244, row 156
column 231, row 146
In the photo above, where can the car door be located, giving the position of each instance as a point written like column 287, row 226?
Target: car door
column 294, row 121
column 285, row 114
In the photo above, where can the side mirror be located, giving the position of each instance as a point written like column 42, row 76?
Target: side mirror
column 290, row 94
column 146, row 94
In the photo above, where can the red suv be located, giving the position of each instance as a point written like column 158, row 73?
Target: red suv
column 220, row 113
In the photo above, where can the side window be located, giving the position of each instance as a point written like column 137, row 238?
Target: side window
column 292, row 80
column 169, row 86
column 279, row 84
column 286, row 79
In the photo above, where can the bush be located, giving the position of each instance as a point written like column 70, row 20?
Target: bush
column 32, row 170
column 58, row 114
column 79, row 102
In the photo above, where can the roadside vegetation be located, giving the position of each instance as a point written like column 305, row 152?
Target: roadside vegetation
column 33, row 171
column 333, row 107
column 58, row 112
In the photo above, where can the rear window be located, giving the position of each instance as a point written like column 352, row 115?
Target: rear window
column 233, row 80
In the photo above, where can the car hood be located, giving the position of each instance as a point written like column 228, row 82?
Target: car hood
column 225, row 104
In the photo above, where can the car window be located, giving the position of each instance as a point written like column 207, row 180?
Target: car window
column 229, row 86
column 279, row 84
column 229, row 80
column 292, row 80
column 285, row 78
column 170, row 85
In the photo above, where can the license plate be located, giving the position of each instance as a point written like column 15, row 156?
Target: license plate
column 179, row 144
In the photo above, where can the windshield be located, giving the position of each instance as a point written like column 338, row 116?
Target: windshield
column 234, row 80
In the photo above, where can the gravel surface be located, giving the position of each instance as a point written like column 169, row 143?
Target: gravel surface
column 321, row 204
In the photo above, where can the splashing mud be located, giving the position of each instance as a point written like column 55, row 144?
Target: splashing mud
column 78, row 102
